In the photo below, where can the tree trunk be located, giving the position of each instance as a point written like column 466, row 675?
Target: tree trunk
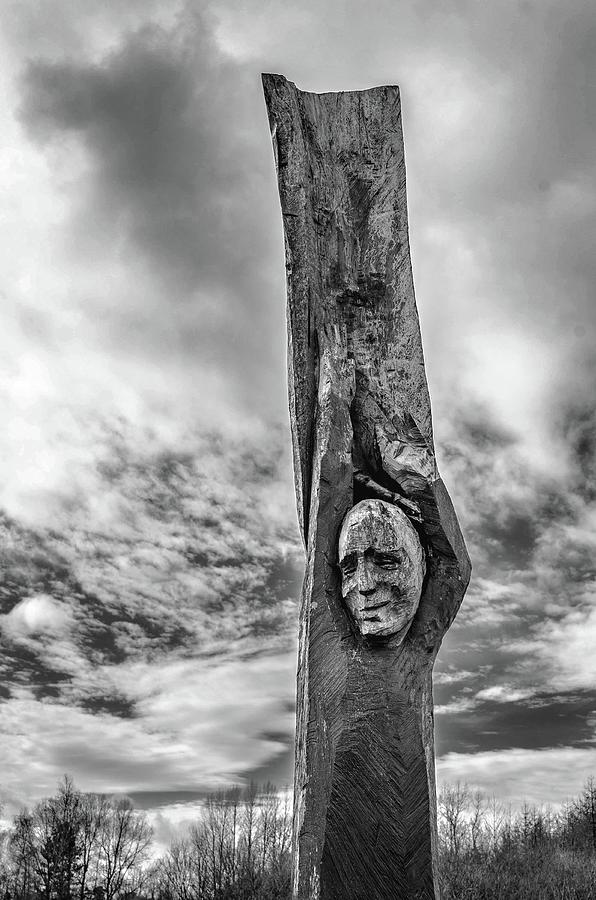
column 365, row 807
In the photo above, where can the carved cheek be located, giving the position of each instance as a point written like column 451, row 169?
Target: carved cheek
column 348, row 584
column 394, row 580
column 408, row 578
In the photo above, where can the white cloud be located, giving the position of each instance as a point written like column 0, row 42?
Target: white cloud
column 93, row 31
column 564, row 649
column 551, row 775
column 196, row 725
column 40, row 615
column 491, row 603
column 243, row 32
column 460, row 704
column 172, row 822
column 452, row 677
column 504, row 693
column 220, row 707
column 572, row 198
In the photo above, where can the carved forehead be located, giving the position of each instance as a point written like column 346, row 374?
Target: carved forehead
column 375, row 523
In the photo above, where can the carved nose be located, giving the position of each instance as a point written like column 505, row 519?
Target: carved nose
column 366, row 581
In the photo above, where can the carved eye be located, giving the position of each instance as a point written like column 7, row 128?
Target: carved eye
column 388, row 560
column 348, row 564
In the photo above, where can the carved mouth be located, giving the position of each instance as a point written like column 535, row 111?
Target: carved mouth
column 375, row 606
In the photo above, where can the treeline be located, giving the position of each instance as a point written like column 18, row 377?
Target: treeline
column 239, row 850
column 76, row 846
column 490, row 853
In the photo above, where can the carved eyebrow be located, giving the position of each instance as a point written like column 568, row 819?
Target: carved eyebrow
column 393, row 554
column 389, row 559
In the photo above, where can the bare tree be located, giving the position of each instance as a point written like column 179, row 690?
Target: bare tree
column 183, row 874
column 94, row 812
column 123, row 844
column 495, row 821
column 476, row 824
column 453, row 804
column 249, row 836
column 584, row 816
column 22, row 855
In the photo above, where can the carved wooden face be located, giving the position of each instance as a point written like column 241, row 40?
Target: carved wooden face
column 382, row 567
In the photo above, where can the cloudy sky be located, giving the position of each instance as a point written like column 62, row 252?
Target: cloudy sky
column 150, row 551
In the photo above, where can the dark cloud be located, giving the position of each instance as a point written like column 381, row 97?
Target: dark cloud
column 514, row 538
column 505, row 503
column 153, row 799
column 574, row 418
column 181, row 184
column 279, row 770
column 544, row 721
column 153, row 141
column 111, row 704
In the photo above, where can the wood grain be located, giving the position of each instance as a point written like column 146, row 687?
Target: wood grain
column 365, row 808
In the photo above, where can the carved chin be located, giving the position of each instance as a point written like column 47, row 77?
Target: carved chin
column 384, row 626
column 380, row 619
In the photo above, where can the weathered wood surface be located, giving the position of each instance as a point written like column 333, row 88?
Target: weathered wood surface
column 364, row 807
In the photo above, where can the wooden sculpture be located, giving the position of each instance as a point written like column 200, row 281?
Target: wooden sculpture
column 387, row 566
